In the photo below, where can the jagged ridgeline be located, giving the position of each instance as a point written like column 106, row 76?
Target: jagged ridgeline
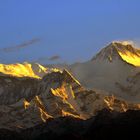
column 28, row 100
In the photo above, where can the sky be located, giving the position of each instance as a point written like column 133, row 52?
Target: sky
column 64, row 31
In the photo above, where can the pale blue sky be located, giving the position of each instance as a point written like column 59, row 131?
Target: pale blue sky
column 72, row 29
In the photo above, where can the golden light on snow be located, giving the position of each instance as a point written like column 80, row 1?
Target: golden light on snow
column 18, row 70
column 26, row 104
column 130, row 58
column 26, row 70
column 60, row 92
column 130, row 54
column 65, row 113
column 43, row 114
column 125, row 42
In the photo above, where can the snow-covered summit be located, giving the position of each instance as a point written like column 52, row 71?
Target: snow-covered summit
column 120, row 50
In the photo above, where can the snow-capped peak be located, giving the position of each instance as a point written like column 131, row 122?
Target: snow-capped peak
column 26, row 69
column 124, row 50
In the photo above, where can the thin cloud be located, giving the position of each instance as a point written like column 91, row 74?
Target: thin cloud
column 44, row 59
column 54, row 58
column 20, row 46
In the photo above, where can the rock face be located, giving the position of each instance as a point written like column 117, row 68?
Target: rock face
column 27, row 102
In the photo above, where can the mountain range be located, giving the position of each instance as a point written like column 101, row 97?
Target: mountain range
column 111, row 71
column 32, row 94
